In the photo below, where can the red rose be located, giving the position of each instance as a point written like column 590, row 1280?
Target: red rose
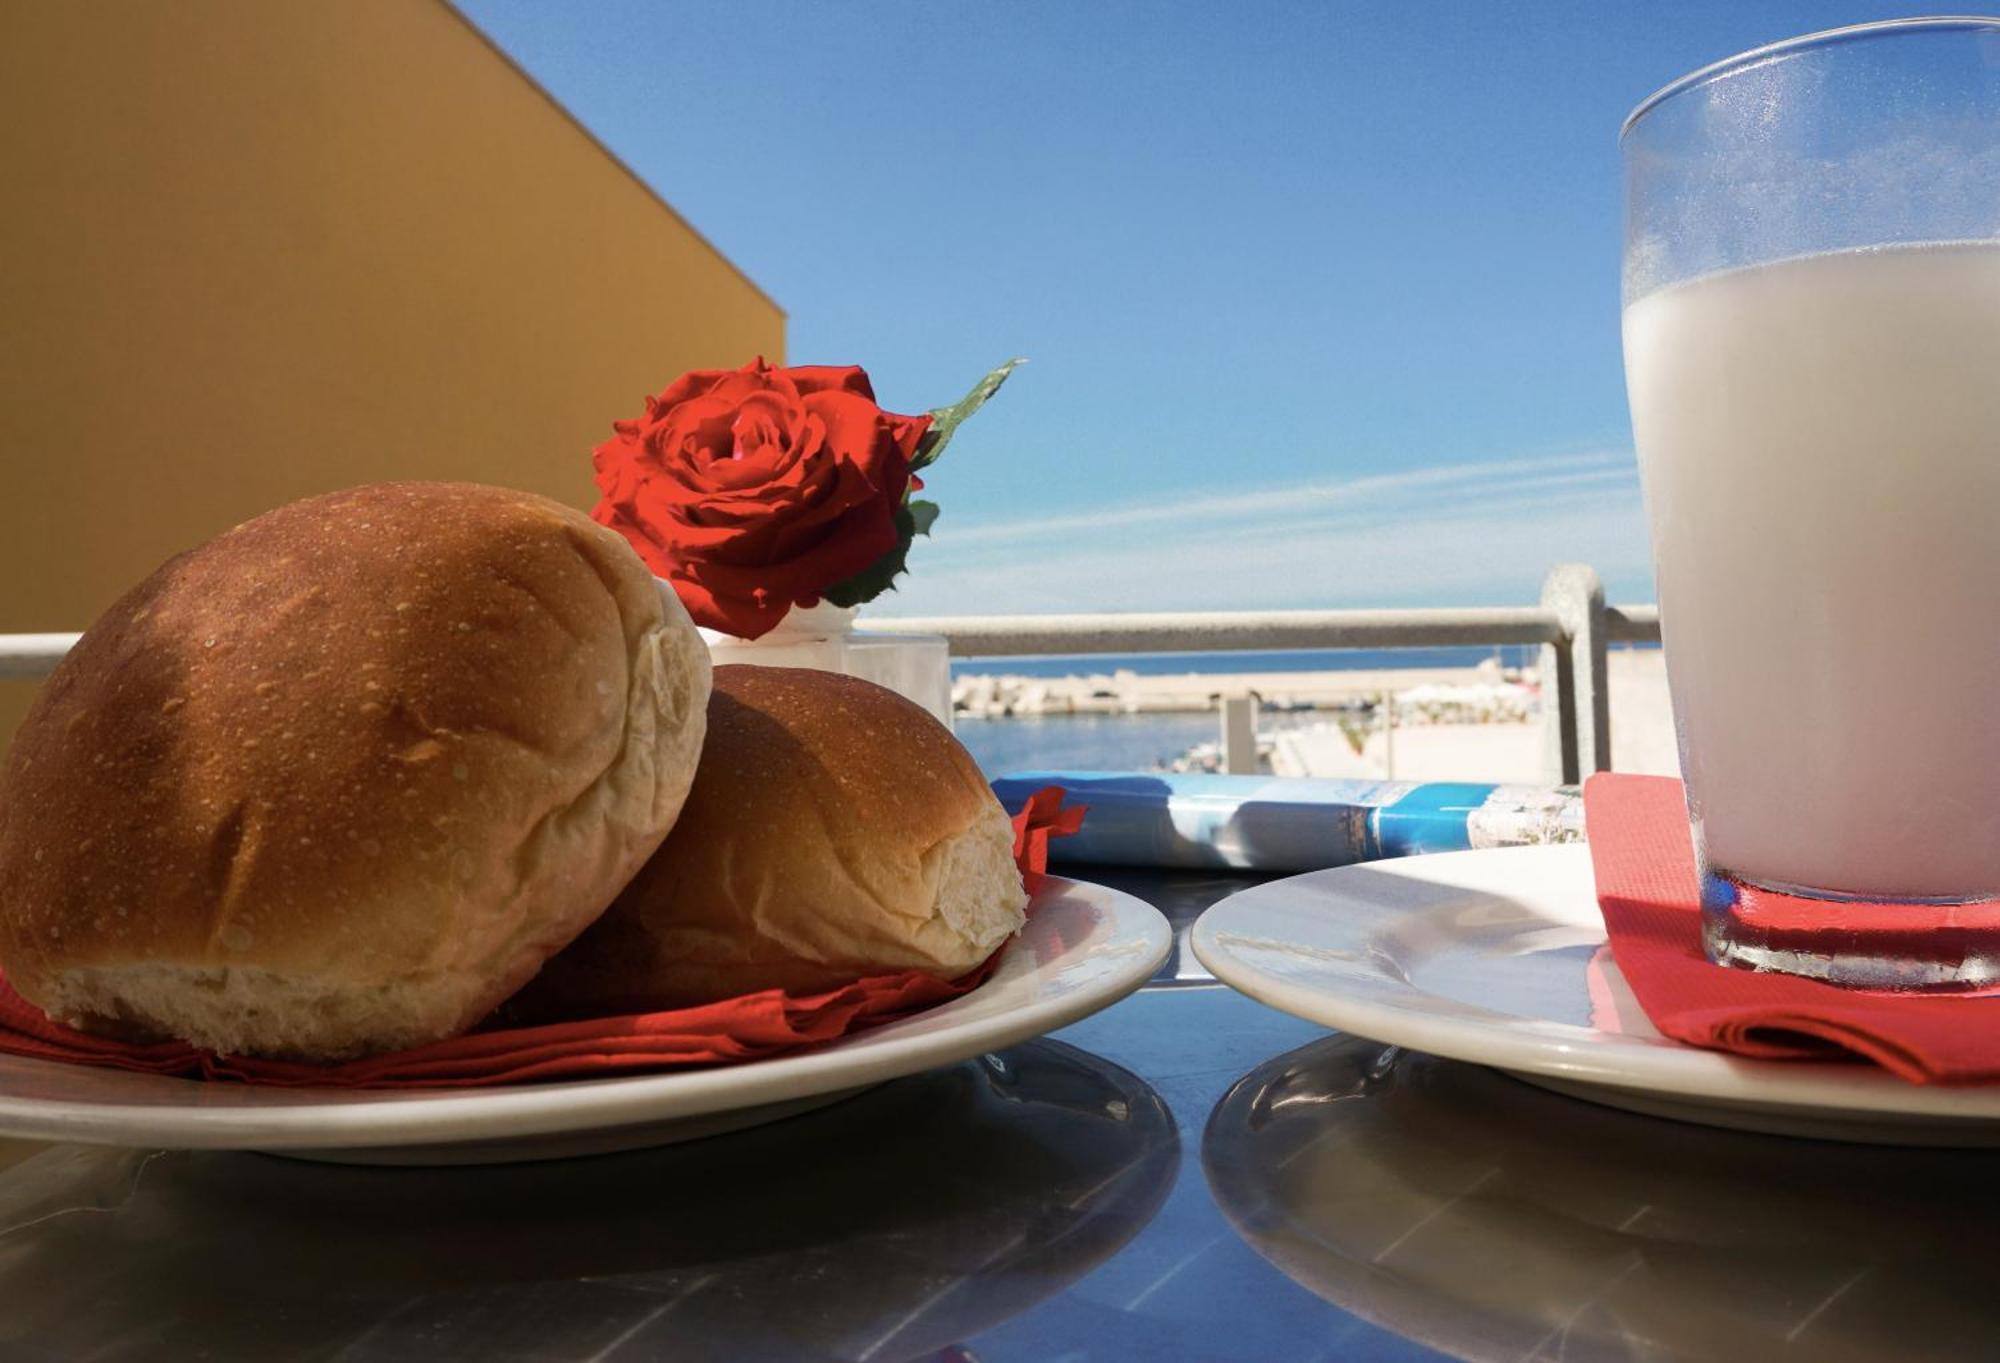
column 754, row 489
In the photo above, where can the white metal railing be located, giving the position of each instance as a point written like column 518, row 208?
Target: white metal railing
column 32, row 655
column 1572, row 625
column 1225, row 631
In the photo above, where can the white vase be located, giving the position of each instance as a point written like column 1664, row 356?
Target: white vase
column 917, row 666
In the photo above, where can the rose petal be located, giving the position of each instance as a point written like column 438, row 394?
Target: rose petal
column 754, row 488
column 755, row 540
column 712, row 612
column 853, row 542
column 908, row 432
column 618, row 471
column 848, row 378
column 856, row 432
column 692, row 384
column 804, row 485
column 703, row 449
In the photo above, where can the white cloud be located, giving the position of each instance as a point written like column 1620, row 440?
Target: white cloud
column 1444, row 481
column 1460, row 534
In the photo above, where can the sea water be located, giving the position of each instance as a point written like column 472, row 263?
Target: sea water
column 1152, row 741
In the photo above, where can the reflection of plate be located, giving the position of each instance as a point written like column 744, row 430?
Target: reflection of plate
column 1493, row 1221
column 1497, row 957
column 1084, row 947
column 886, row 1227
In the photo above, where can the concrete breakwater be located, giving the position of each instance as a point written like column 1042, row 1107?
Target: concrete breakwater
column 1486, row 692
column 1468, row 724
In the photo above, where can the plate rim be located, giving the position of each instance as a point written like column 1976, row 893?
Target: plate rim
column 474, row 1115
column 1561, row 1050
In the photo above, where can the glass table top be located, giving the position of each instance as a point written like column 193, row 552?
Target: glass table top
column 1187, row 1175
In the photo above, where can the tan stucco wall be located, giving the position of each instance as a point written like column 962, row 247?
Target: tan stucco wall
column 255, row 249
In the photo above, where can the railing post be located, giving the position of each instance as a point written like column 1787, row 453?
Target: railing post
column 33, row 656
column 1576, row 698
column 1239, row 735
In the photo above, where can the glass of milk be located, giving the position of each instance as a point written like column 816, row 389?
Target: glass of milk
column 1812, row 352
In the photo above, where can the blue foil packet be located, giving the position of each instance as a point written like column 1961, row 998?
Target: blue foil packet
column 1263, row 823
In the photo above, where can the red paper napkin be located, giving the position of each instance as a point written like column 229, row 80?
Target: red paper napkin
column 750, row 1027
column 1042, row 818
column 1650, row 893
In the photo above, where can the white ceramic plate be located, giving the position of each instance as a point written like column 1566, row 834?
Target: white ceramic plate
column 1498, row 957
column 1084, row 947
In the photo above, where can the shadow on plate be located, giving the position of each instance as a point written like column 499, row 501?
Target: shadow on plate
column 1491, row 1220
column 884, row 1227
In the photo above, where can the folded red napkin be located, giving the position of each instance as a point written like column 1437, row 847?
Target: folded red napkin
column 749, row 1027
column 1650, row 893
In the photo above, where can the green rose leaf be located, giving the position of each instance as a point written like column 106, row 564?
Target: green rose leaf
column 946, row 420
column 912, row 519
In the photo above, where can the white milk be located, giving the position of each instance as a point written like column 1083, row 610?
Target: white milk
column 1820, row 444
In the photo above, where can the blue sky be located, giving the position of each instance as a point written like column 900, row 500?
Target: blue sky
column 1321, row 300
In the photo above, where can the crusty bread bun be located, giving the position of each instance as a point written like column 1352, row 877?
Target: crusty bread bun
column 340, row 780
column 835, row 830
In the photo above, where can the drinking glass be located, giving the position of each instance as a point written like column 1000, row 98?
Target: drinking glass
column 1812, row 353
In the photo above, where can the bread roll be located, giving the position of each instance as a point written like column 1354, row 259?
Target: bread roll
column 340, row 780
column 835, row 830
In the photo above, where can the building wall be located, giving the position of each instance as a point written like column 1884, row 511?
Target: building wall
column 256, row 249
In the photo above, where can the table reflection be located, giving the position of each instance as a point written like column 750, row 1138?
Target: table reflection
column 884, row 1227
column 1492, row 1220
column 1181, row 896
